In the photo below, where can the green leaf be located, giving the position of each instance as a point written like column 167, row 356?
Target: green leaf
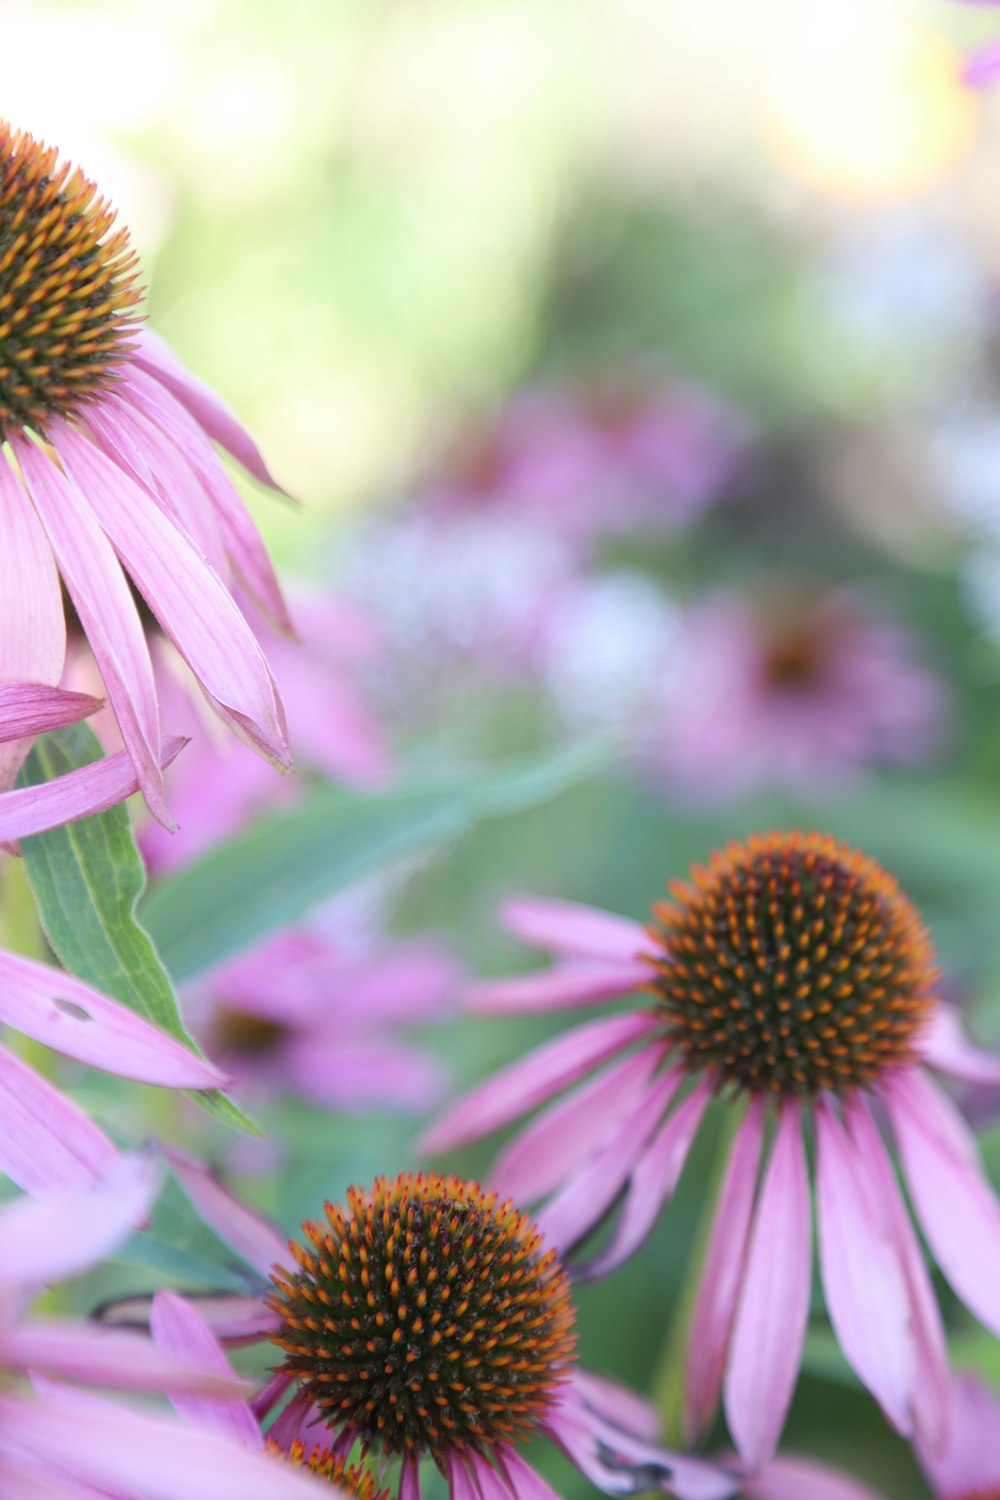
column 86, row 878
column 287, row 863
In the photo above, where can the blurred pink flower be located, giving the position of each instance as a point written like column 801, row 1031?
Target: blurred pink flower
column 985, row 65
column 834, row 1039
column 794, row 689
column 324, row 1019
column 108, row 473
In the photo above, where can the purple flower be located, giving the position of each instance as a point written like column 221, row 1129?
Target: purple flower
column 793, row 974
column 108, row 469
column 799, row 689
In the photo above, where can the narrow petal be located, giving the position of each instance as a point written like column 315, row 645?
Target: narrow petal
column 28, row 1480
column 107, row 611
column 182, row 1334
column 409, row 1479
column 956, row 1206
column 970, row 1465
column 205, row 405
column 722, row 1275
column 46, row 1141
column 188, row 598
column 653, row 1182
column 561, row 988
column 938, row 1113
column 770, row 1326
column 863, row 1280
column 617, row 1404
column 78, row 794
column 67, row 1015
column 561, row 1139
column 524, row 1482
column 946, row 1048
column 574, row 929
column 155, row 1456
column 32, row 625
column 932, row 1392
column 34, row 708
column 250, row 1234
column 588, row 1195
column 515, row 1090
column 235, row 1319
column 93, row 1355
column 791, row 1478
column 34, row 1244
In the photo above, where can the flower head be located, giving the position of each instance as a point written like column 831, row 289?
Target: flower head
column 107, row 464
column 793, row 982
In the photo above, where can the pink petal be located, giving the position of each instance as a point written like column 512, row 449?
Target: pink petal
column 234, row 1319
column 862, row 1278
column 32, row 627
column 946, row 1048
column 69, row 1016
column 770, row 1325
column 107, row 612
column 617, row 1404
column 984, row 67
column 34, row 1244
column 525, row 1482
column 562, row 988
column 409, row 1479
column 93, row 1355
column 187, row 597
column 574, row 929
column 250, row 1235
column 722, row 1275
column 32, row 708
column 561, row 1139
column 181, row 1333
column 932, row 1392
column 653, row 1181
column 207, row 408
column 790, row 1478
column 46, row 1142
column 353, row 1076
column 37, row 1481
column 584, row 1200
column 515, row 1090
column 158, row 1458
column 956, row 1205
column 970, row 1465
column 78, row 794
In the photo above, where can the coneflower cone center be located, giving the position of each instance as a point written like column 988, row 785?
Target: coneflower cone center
column 67, row 294
column 792, row 964
column 426, row 1317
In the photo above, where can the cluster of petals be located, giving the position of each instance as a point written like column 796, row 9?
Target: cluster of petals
column 806, row 692
column 626, row 1131
column 61, row 1442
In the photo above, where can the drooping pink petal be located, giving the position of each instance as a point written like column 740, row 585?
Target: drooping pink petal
column 32, row 625
column 524, row 1481
column 181, row 1334
column 653, row 1181
column 154, row 1456
column 562, row 988
column 188, row 598
column 461, row 1485
column 970, row 1464
column 204, row 404
column 956, row 1205
column 34, row 708
column 31, row 1479
column 72, row 1228
column 249, row 1234
column 863, row 1280
column 617, row 1404
column 515, row 1090
column 938, row 1113
column 722, row 1275
column 792, row 1478
column 67, row 1015
column 586, row 1197
column 109, row 1357
column 96, row 584
column 46, row 1141
column 78, row 794
column 242, row 541
column 561, row 1139
column 574, row 929
column 409, row 1479
column 235, row 1318
column 946, row 1048
column 770, row 1325
column 932, row 1390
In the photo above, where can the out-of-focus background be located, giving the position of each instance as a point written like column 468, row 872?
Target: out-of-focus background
column 636, row 365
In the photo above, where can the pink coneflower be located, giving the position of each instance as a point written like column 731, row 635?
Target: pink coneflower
column 488, row 1360
column 108, row 473
column 324, row 1020
column 792, row 980
column 795, row 688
